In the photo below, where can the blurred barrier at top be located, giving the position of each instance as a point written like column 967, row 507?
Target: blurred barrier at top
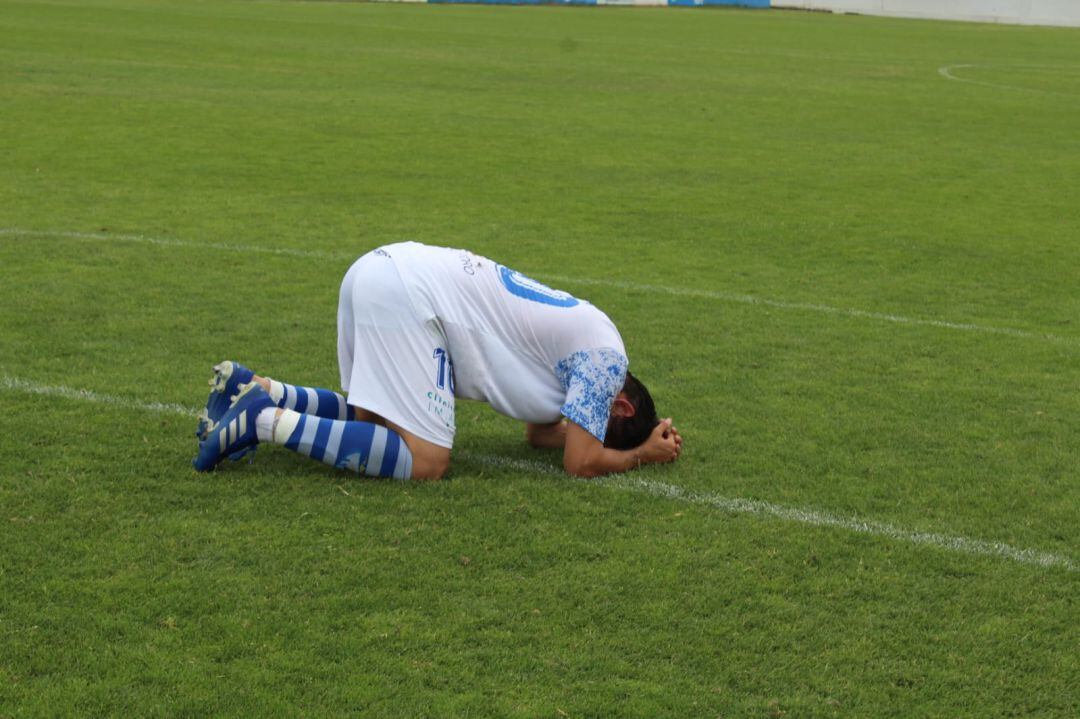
column 673, row 3
column 1025, row 12
column 1021, row 12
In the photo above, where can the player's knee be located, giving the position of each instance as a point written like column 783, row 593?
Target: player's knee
column 430, row 467
column 429, row 460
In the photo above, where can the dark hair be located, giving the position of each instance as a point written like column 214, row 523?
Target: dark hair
column 630, row 432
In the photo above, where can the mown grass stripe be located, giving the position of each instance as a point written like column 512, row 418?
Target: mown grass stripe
column 628, row 286
column 735, row 505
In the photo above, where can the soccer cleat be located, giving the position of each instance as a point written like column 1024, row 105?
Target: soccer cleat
column 224, row 385
column 234, row 434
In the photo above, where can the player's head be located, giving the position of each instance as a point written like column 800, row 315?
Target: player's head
column 633, row 416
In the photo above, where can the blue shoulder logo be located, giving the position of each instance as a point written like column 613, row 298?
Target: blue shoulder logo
column 529, row 289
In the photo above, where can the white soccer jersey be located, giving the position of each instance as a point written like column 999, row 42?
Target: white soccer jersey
column 531, row 352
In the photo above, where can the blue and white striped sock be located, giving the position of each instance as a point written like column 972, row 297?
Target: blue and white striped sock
column 362, row 447
column 309, row 400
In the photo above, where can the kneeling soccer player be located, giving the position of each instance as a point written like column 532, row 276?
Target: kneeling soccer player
column 420, row 326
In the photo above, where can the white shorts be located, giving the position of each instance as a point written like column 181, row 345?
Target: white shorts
column 392, row 362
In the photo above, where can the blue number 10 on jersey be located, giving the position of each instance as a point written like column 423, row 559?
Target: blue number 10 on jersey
column 445, row 373
column 529, row 289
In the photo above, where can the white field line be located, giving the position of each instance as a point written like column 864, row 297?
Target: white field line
column 639, row 485
column 627, row 286
column 17, row 385
column 813, row 517
column 852, row 524
column 170, row 242
column 824, row 309
column 946, row 71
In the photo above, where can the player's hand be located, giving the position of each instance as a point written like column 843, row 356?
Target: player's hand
column 663, row 445
column 677, row 436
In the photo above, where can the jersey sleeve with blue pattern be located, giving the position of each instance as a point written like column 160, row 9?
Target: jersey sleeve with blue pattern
column 592, row 379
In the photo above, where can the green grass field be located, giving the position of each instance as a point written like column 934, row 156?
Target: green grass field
column 842, row 252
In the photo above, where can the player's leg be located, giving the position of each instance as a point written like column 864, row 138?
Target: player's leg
column 229, row 377
column 362, row 447
column 374, row 449
column 393, row 363
column 306, row 400
column 430, row 461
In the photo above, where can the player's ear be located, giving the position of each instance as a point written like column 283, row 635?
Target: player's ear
column 622, row 406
